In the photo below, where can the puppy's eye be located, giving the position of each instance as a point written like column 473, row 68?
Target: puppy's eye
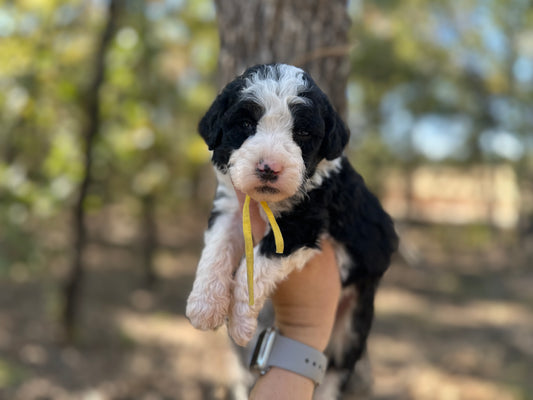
column 302, row 133
column 246, row 124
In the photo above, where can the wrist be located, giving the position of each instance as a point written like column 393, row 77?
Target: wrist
column 275, row 350
column 281, row 384
column 316, row 337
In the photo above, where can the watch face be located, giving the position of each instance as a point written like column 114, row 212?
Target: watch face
column 262, row 350
column 253, row 361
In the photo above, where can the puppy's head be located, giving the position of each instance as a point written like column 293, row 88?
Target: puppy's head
column 270, row 128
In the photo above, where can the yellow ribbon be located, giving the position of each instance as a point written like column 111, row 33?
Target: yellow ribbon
column 249, row 244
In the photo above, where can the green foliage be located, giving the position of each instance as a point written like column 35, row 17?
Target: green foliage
column 10, row 374
column 422, row 66
column 420, row 69
column 158, row 69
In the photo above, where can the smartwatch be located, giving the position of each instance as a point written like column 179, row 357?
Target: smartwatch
column 275, row 350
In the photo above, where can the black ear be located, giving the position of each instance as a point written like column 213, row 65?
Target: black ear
column 210, row 126
column 337, row 134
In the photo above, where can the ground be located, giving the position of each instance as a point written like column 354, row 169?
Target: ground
column 455, row 322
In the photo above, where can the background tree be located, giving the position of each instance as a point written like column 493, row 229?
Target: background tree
column 310, row 34
column 90, row 135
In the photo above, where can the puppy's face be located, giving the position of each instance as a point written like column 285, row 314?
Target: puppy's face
column 269, row 129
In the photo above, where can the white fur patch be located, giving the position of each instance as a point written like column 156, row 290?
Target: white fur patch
column 208, row 303
column 280, row 82
column 323, row 171
column 343, row 331
column 344, row 261
column 225, row 199
column 273, row 141
column 329, row 388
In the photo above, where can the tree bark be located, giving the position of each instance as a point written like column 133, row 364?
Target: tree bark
column 149, row 240
column 73, row 283
column 311, row 34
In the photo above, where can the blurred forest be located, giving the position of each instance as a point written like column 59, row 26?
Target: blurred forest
column 95, row 267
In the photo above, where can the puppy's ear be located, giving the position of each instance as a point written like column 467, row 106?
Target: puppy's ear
column 337, row 134
column 210, row 126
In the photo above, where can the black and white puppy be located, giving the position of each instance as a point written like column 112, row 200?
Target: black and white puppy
column 276, row 137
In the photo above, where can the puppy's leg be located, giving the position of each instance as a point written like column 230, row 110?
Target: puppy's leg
column 208, row 303
column 362, row 317
column 269, row 270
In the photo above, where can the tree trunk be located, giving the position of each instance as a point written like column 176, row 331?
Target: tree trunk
column 312, row 35
column 149, row 240
column 92, row 111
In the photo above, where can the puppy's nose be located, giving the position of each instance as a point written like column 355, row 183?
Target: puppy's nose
column 268, row 171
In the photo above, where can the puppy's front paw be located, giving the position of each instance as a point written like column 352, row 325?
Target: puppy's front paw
column 206, row 312
column 242, row 323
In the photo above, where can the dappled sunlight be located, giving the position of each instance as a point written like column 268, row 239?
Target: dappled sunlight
column 427, row 356
column 204, row 356
column 457, row 326
column 394, row 301
column 476, row 313
column 401, row 371
column 433, row 384
column 443, row 330
column 451, row 330
column 489, row 314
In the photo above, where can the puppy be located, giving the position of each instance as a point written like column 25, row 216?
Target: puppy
column 275, row 136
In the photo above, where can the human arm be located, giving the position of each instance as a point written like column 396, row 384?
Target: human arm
column 305, row 305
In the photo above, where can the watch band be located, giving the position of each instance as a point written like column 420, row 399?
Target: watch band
column 275, row 350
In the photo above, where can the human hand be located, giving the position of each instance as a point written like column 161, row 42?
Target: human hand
column 305, row 305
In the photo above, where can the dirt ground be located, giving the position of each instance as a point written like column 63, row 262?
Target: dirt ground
column 457, row 323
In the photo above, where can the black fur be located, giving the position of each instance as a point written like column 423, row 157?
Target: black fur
column 336, row 133
column 345, row 209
